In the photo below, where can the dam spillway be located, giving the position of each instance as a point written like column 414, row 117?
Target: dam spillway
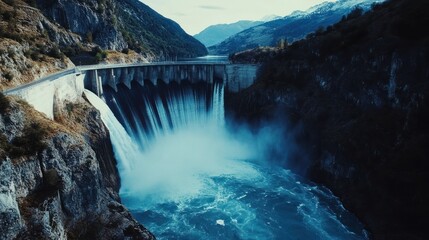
column 235, row 77
column 185, row 174
column 49, row 93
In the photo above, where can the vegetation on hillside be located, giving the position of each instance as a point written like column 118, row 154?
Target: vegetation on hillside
column 146, row 30
column 26, row 48
column 38, row 37
column 29, row 142
column 360, row 87
column 4, row 103
column 127, row 22
column 290, row 28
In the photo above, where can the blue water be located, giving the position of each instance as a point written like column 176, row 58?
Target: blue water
column 208, row 58
column 185, row 174
column 280, row 205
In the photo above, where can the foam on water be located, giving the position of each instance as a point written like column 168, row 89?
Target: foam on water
column 189, row 177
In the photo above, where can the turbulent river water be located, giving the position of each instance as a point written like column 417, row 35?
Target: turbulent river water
column 186, row 174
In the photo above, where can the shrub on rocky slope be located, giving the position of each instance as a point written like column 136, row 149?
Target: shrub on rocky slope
column 361, row 91
column 40, row 37
column 63, row 182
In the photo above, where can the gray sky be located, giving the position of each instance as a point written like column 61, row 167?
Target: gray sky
column 195, row 15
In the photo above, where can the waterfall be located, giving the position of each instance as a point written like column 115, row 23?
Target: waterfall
column 185, row 176
column 163, row 109
column 218, row 104
column 183, row 109
column 174, row 138
column 124, row 148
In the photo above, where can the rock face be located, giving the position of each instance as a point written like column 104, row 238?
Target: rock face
column 82, row 18
column 117, row 25
column 360, row 93
column 40, row 37
column 29, row 45
column 11, row 221
column 67, row 188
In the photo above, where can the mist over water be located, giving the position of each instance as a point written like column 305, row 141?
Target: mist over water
column 180, row 165
column 185, row 174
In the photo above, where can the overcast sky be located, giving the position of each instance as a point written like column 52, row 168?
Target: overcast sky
column 195, row 15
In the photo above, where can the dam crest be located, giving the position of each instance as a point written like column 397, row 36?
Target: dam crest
column 52, row 91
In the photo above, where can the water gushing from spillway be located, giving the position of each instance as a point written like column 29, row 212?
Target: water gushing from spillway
column 185, row 175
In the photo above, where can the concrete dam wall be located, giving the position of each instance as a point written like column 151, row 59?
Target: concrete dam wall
column 235, row 76
column 47, row 93
column 52, row 91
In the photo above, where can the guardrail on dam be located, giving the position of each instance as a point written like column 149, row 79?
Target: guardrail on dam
column 68, row 85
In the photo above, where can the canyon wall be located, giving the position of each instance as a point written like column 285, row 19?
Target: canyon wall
column 59, row 179
column 358, row 95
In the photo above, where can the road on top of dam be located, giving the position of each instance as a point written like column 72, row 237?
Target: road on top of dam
column 78, row 69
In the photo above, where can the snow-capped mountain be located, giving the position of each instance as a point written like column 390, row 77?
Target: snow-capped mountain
column 292, row 27
column 270, row 18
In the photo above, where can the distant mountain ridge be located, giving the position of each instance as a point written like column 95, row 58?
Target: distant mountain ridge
column 351, row 90
column 271, row 17
column 291, row 28
column 215, row 34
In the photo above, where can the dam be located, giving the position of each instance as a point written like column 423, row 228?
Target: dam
column 183, row 165
column 189, row 172
column 49, row 92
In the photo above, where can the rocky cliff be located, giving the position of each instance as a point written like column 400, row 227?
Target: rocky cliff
column 359, row 91
column 58, row 180
column 123, row 24
column 38, row 38
column 26, row 51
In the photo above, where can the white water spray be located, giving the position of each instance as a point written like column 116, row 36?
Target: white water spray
column 194, row 180
column 182, row 158
column 126, row 151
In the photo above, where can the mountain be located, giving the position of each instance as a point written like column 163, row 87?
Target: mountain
column 122, row 23
column 41, row 37
column 215, row 34
column 269, row 18
column 357, row 97
column 291, row 28
column 58, row 178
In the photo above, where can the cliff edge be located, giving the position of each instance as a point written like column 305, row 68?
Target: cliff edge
column 359, row 93
column 58, row 180
column 38, row 38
